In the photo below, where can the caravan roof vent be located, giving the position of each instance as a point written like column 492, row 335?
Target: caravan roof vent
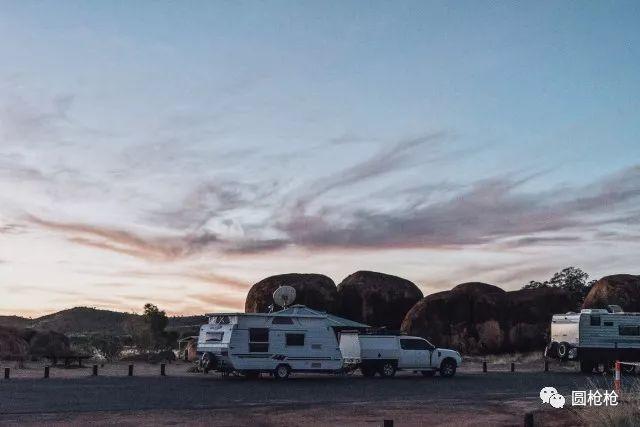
column 613, row 308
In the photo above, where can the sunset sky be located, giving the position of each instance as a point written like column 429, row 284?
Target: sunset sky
column 177, row 152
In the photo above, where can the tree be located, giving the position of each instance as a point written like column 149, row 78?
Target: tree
column 571, row 279
column 154, row 336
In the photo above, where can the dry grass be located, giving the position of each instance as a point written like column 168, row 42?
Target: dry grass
column 625, row 414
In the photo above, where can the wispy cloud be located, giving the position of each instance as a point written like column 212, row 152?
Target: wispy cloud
column 129, row 243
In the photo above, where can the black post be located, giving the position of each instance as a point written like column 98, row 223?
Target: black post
column 546, row 366
column 7, row 371
column 46, row 372
column 130, row 370
column 95, row 370
column 513, row 367
column 484, row 366
column 528, row 419
column 162, row 369
column 387, row 423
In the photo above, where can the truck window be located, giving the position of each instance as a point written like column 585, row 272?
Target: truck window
column 633, row 330
column 413, row 344
column 595, row 320
column 295, row 340
column 258, row 340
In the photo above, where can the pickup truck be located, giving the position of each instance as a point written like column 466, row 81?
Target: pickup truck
column 386, row 354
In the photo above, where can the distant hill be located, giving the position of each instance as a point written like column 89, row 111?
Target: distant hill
column 87, row 320
column 14, row 321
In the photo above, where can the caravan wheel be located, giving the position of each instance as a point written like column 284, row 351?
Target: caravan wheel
column 282, row 372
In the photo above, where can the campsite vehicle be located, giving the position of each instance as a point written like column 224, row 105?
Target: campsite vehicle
column 596, row 338
column 387, row 353
column 295, row 339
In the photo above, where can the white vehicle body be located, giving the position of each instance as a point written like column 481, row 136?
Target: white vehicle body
column 298, row 338
column 375, row 353
column 595, row 336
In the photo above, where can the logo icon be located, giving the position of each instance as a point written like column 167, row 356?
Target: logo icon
column 551, row 396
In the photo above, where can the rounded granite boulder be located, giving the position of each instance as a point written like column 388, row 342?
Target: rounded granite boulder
column 619, row 289
column 316, row 291
column 377, row 299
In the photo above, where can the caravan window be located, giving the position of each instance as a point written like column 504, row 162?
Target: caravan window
column 214, row 336
column 595, row 320
column 295, row 340
column 279, row 320
column 258, row 340
column 629, row 330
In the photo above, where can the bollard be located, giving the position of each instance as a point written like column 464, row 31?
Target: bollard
column 528, row 419
column 616, row 381
column 46, row 372
column 513, row 367
column 130, row 370
column 7, row 371
column 546, row 366
column 95, row 370
column 484, row 366
column 162, row 369
column 387, row 423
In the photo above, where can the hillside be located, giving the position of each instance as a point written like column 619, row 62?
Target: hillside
column 86, row 320
column 14, row 321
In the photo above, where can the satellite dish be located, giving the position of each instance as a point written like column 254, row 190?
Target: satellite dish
column 284, row 295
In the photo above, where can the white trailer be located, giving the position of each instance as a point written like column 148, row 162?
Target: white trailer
column 595, row 337
column 296, row 339
column 385, row 354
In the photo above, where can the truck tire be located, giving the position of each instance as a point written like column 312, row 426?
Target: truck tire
column 448, row 368
column 281, row 372
column 586, row 366
column 387, row 370
column 563, row 350
column 367, row 371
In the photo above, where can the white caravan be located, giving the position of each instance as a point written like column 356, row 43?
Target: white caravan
column 385, row 354
column 595, row 337
column 296, row 339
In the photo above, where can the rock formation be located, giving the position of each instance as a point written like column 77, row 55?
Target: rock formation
column 619, row 289
column 377, row 299
column 478, row 318
column 316, row 291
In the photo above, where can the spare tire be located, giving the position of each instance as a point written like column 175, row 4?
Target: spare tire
column 563, row 350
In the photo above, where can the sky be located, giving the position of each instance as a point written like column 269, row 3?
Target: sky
column 178, row 152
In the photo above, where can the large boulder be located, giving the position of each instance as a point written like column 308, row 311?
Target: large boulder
column 529, row 313
column 469, row 318
column 619, row 289
column 12, row 345
column 478, row 318
column 316, row 291
column 377, row 299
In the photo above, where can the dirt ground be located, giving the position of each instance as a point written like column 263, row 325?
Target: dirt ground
column 496, row 398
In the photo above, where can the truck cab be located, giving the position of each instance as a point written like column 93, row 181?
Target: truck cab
column 385, row 354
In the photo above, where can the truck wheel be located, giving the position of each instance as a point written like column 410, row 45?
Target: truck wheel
column 563, row 350
column 387, row 370
column 367, row 371
column 586, row 366
column 428, row 373
column 448, row 368
column 281, row 372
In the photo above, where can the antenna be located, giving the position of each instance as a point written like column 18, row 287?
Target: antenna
column 284, row 295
